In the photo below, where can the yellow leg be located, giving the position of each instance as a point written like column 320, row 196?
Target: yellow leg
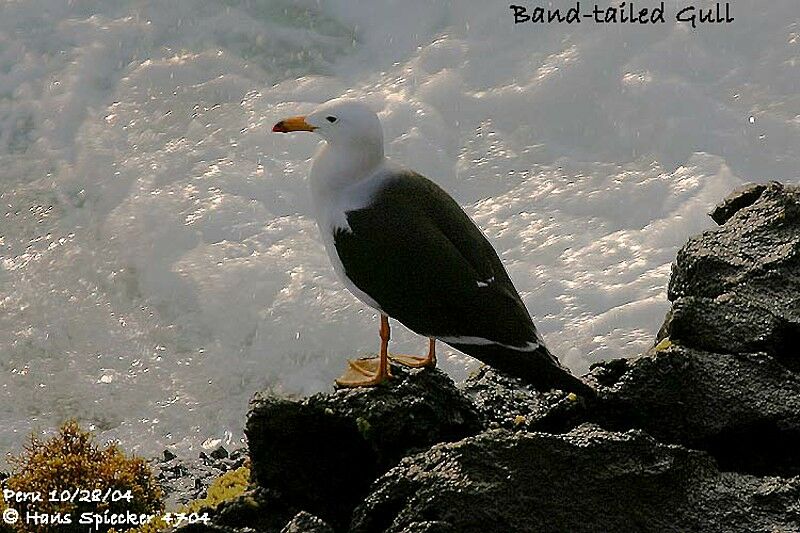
column 371, row 371
column 415, row 361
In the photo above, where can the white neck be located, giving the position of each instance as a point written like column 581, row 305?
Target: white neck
column 335, row 168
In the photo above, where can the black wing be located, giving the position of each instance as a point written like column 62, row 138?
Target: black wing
column 422, row 259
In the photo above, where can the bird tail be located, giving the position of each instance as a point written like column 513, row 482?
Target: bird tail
column 538, row 367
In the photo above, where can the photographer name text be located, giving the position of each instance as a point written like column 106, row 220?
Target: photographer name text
column 96, row 520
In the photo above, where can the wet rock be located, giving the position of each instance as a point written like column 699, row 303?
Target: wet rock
column 429, row 526
column 728, row 323
column 322, row 453
column 219, row 453
column 261, row 509
column 256, row 511
column 744, row 409
column 304, row 522
column 726, row 376
column 184, row 480
column 587, row 480
column 736, row 289
column 742, row 197
column 506, row 402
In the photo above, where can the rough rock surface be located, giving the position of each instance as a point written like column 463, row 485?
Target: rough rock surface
column 744, row 409
column 259, row 510
column 588, row 480
column 725, row 378
column 742, row 197
column 323, row 452
column 504, row 401
column 304, row 522
column 736, row 288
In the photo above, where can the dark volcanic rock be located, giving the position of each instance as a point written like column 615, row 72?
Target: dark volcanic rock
column 744, row 409
column 506, row 402
column 588, row 480
column 219, row 453
column 737, row 200
column 737, row 288
column 728, row 323
column 322, row 453
column 261, row 509
column 729, row 384
column 256, row 511
column 306, row 523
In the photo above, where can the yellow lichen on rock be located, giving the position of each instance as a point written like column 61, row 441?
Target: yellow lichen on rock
column 226, row 487
column 663, row 345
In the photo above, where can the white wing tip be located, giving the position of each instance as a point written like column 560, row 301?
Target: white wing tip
column 530, row 346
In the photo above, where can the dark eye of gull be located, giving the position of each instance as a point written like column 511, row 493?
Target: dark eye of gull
column 330, row 119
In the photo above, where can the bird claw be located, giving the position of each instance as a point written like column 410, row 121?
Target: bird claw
column 412, row 361
column 363, row 373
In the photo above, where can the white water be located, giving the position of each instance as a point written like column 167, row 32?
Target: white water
column 158, row 263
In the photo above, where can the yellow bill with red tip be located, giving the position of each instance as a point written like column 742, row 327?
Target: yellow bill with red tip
column 293, row 124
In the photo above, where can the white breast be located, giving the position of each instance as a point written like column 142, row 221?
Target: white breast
column 331, row 207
